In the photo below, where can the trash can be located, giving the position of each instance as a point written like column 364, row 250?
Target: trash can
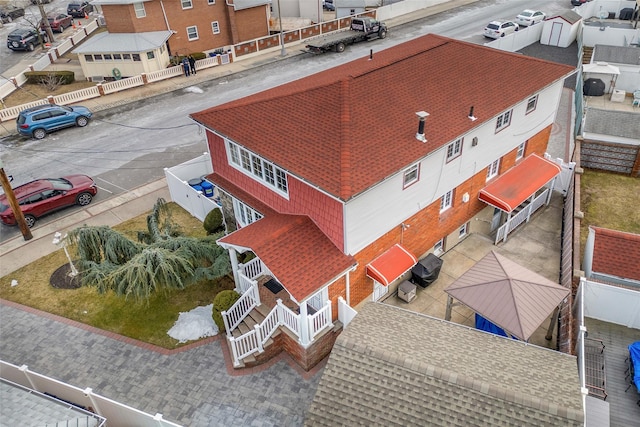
column 207, row 187
column 195, row 181
column 198, row 188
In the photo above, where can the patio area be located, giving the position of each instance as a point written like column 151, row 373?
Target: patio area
column 535, row 245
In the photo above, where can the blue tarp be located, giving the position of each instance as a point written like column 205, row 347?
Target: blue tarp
column 634, row 354
column 485, row 325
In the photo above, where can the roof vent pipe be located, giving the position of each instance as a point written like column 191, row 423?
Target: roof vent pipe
column 422, row 116
column 471, row 116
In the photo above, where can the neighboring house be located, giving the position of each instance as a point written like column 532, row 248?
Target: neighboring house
column 326, row 174
column 396, row 367
column 611, row 141
column 349, row 7
column 122, row 55
column 612, row 257
column 195, row 25
column 626, row 59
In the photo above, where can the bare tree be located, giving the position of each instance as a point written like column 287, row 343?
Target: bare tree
column 51, row 81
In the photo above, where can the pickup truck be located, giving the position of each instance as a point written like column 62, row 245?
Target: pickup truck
column 360, row 29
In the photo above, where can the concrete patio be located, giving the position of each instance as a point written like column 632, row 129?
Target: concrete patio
column 535, row 245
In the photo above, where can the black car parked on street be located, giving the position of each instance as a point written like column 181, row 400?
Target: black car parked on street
column 78, row 9
column 25, row 39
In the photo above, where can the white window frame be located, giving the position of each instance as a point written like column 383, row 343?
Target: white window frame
column 446, row 201
column 245, row 215
column 139, row 9
column 521, row 150
column 438, row 248
column 411, row 175
column 215, row 27
column 454, row 149
column 186, row 4
column 503, row 120
column 463, row 231
column 257, row 168
column 532, row 103
column 192, row 28
column 493, row 170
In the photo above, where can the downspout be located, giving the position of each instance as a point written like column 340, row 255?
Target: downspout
column 164, row 14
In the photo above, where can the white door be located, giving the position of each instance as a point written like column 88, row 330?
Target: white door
column 495, row 221
column 379, row 290
column 556, row 30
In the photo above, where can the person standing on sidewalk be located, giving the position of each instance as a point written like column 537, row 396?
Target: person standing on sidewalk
column 192, row 64
column 185, row 66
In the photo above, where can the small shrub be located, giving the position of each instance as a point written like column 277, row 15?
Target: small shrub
column 213, row 222
column 42, row 77
column 198, row 55
column 223, row 302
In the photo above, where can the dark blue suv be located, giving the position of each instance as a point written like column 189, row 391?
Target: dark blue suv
column 36, row 122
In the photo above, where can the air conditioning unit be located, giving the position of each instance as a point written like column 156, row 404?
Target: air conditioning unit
column 101, row 21
column 97, row 79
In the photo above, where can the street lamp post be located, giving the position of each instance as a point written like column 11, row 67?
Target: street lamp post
column 60, row 240
column 283, row 52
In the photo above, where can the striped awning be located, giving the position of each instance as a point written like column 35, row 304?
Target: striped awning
column 390, row 265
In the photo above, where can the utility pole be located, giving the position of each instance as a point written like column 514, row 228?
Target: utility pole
column 15, row 207
column 283, row 52
column 47, row 27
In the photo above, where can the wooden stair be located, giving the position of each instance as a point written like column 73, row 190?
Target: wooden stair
column 256, row 316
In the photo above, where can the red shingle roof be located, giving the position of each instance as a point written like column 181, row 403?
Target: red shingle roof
column 616, row 253
column 349, row 127
column 298, row 254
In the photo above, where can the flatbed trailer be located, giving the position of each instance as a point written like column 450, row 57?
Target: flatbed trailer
column 361, row 29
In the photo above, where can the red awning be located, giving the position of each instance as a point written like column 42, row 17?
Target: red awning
column 390, row 265
column 519, row 183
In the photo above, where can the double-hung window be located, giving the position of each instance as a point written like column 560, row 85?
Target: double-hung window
column 192, row 33
column 187, row 4
column 215, row 27
column 438, row 248
column 493, row 169
column 503, row 120
column 531, row 104
column 446, row 201
column 454, row 149
column 520, row 152
column 139, row 9
column 411, row 175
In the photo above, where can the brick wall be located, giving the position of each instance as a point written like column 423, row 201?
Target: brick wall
column 235, row 27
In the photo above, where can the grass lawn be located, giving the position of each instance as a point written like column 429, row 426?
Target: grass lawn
column 610, row 201
column 144, row 321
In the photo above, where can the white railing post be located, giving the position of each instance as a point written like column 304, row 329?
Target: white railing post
column 305, row 340
column 258, row 338
column 226, row 322
column 234, row 351
column 235, row 266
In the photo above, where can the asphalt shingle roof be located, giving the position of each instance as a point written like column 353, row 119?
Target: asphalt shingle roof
column 616, row 253
column 350, row 127
column 395, row 367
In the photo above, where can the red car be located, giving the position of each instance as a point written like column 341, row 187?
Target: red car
column 43, row 196
column 58, row 22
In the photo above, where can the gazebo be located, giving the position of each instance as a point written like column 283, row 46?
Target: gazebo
column 505, row 293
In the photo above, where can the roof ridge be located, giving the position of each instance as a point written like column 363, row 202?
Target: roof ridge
column 451, row 377
column 345, row 138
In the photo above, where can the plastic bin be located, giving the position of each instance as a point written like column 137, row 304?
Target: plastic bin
column 195, row 181
column 207, row 187
column 197, row 188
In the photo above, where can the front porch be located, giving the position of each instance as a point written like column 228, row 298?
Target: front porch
column 267, row 320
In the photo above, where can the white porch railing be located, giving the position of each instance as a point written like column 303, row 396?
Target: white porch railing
column 288, row 318
column 345, row 312
column 238, row 311
column 319, row 321
column 253, row 269
column 522, row 216
column 245, row 283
